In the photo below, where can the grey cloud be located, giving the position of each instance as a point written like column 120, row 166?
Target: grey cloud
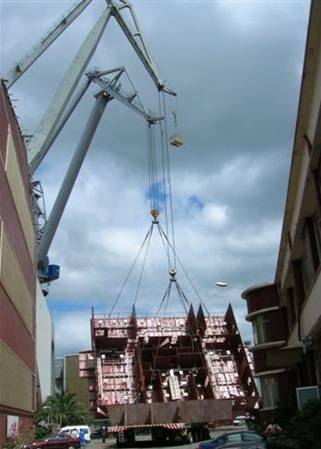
column 237, row 69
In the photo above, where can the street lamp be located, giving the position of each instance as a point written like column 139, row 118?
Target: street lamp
column 221, row 284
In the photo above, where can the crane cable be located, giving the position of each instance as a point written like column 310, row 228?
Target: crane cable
column 143, row 265
column 164, row 178
column 152, row 167
column 168, row 173
column 146, row 239
column 164, row 237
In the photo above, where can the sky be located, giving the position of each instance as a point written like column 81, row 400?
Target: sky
column 236, row 66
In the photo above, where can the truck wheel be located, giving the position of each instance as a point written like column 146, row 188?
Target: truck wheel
column 195, row 436
column 202, row 433
column 71, row 447
column 189, row 438
column 119, row 443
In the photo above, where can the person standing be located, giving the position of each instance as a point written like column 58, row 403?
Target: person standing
column 82, row 439
column 103, row 434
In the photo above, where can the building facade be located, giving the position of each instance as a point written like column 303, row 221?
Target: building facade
column 72, row 382
column 17, row 278
column 59, row 375
column 286, row 314
column 45, row 348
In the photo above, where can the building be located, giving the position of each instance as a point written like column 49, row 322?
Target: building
column 161, row 363
column 17, row 278
column 286, row 314
column 72, row 382
column 45, row 348
column 26, row 329
column 59, row 375
column 67, row 379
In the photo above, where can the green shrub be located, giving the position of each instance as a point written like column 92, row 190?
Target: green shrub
column 41, row 432
column 254, row 421
column 306, row 426
column 285, row 412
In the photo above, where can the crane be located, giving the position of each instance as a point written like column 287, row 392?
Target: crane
column 65, row 100
column 38, row 145
column 109, row 89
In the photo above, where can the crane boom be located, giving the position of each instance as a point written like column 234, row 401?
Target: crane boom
column 141, row 50
column 127, row 100
column 37, row 147
column 21, row 66
column 110, row 90
column 49, row 128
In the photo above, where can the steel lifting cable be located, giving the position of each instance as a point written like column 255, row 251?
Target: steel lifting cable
column 162, row 233
column 154, row 158
column 152, row 166
column 149, row 165
column 164, row 299
column 169, row 181
column 143, row 265
column 150, row 230
column 163, row 159
column 183, row 298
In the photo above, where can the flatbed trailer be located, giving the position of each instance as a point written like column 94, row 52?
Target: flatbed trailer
column 185, row 421
column 172, row 376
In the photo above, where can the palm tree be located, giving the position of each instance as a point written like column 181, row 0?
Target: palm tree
column 63, row 409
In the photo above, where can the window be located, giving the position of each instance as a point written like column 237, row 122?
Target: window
column 317, row 233
column 270, row 391
column 291, row 306
column 299, row 284
column 219, row 442
column 311, row 257
column 260, row 329
column 233, row 438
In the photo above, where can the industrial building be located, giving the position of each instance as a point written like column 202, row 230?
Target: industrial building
column 17, row 278
column 67, row 379
column 167, row 366
column 26, row 330
column 286, row 314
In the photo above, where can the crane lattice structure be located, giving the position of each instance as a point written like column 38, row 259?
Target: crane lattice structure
column 64, row 102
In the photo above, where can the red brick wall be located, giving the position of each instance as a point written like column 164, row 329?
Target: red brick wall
column 3, row 429
column 13, row 332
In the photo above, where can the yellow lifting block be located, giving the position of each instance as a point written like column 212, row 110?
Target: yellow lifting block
column 176, row 140
column 154, row 213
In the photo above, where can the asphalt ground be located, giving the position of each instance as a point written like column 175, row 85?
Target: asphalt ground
column 111, row 442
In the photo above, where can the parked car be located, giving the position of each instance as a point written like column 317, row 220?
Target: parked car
column 239, row 421
column 75, row 429
column 243, row 439
column 60, row 441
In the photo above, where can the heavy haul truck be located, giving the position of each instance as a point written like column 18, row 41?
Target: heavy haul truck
column 167, row 378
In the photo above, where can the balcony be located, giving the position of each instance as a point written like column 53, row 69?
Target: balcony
column 262, row 297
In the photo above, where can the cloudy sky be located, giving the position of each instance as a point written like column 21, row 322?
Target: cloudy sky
column 236, row 66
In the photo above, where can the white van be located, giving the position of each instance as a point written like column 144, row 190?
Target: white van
column 71, row 429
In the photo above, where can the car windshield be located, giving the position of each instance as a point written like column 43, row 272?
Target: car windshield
column 233, row 438
column 251, row 436
column 64, row 434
